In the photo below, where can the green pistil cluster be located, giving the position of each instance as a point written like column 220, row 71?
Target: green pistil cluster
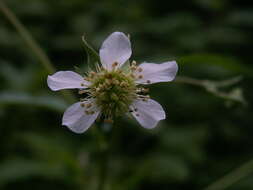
column 113, row 91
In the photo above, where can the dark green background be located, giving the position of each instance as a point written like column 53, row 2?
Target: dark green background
column 204, row 136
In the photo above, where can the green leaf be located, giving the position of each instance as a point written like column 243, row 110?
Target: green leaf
column 216, row 88
column 92, row 55
column 223, row 89
column 20, row 169
column 44, row 101
column 205, row 61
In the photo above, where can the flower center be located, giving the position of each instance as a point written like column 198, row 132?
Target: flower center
column 113, row 91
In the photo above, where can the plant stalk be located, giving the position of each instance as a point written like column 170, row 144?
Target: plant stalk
column 232, row 177
column 32, row 44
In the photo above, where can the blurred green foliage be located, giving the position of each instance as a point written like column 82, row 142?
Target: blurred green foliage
column 204, row 136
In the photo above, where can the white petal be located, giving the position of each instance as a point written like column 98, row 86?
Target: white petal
column 148, row 113
column 116, row 48
column 153, row 73
column 77, row 120
column 66, row 80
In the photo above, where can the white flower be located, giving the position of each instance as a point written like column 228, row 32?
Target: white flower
column 112, row 90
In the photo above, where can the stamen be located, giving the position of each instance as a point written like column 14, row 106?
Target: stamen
column 148, row 81
column 82, row 105
column 88, row 105
column 97, row 89
column 146, row 98
column 134, row 63
column 108, row 81
column 87, row 78
column 133, row 67
column 123, row 84
column 108, row 120
column 114, row 64
column 82, row 91
column 92, row 74
column 140, row 76
column 145, row 90
column 132, row 75
column 116, row 82
column 140, row 69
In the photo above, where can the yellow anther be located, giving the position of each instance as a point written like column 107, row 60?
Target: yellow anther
column 123, row 84
column 108, row 121
column 82, row 84
column 134, row 63
column 132, row 75
column 81, row 92
column 88, row 105
column 145, row 90
column 108, row 81
column 87, row 78
column 97, row 89
column 92, row 73
column 109, row 76
column 114, row 64
column 116, row 82
column 82, row 105
column 133, row 68
column 140, row 69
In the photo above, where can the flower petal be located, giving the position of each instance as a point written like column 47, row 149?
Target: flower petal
column 116, row 48
column 147, row 113
column 66, row 80
column 77, row 120
column 148, row 73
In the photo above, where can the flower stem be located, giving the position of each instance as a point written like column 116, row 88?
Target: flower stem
column 103, row 170
column 103, row 145
column 188, row 80
column 232, row 177
column 32, row 44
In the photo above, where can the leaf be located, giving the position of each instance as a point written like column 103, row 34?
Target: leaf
column 79, row 70
column 219, row 61
column 241, row 18
column 92, row 55
column 222, row 89
column 19, row 169
column 215, row 87
column 44, row 101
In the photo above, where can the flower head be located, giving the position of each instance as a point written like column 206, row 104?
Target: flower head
column 113, row 90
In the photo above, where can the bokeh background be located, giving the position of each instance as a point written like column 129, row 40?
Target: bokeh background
column 207, row 134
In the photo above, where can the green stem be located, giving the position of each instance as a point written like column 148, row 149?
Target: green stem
column 103, row 170
column 103, row 146
column 32, row 44
column 188, row 80
column 232, row 177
